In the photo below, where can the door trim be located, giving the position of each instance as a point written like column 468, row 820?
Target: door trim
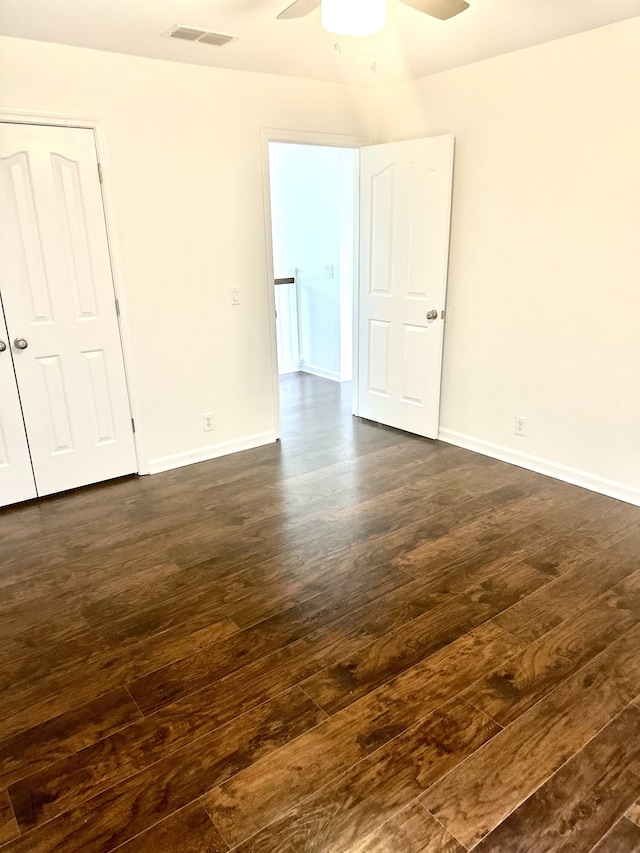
column 325, row 140
column 95, row 125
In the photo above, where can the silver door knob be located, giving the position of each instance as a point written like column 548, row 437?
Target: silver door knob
column 3, row 346
column 20, row 343
column 432, row 315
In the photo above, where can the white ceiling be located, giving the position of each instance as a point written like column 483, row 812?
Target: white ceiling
column 412, row 45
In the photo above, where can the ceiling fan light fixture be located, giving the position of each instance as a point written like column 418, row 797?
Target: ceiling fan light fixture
column 354, row 17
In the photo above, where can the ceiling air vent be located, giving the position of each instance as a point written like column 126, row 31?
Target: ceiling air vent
column 204, row 36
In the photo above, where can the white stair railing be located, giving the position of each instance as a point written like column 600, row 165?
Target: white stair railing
column 287, row 325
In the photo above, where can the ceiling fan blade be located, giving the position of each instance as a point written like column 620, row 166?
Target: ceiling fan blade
column 441, row 9
column 299, row 9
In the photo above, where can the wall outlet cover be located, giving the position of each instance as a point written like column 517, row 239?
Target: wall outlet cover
column 520, row 426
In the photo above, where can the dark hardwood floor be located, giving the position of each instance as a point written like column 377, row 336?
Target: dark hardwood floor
column 355, row 641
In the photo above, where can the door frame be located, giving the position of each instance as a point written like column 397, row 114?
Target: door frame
column 322, row 140
column 95, row 125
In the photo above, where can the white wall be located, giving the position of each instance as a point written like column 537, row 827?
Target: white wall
column 545, row 256
column 312, row 222
column 184, row 176
column 544, row 281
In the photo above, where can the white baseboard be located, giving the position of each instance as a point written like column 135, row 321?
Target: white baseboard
column 212, row 451
column 611, row 488
column 320, row 371
column 292, row 366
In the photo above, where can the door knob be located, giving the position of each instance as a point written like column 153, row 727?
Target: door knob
column 432, row 315
column 3, row 346
column 20, row 343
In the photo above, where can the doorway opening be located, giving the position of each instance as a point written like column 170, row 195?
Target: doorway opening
column 401, row 207
column 313, row 202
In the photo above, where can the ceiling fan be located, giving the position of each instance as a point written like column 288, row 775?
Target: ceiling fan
column 442, row 9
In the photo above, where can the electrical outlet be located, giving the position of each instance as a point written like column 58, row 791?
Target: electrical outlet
column 520, row 427
column 235, row 296
column 208, row 422
column 328, row 271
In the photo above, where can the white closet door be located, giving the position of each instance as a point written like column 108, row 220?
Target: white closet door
column 58, row 297
column 16, row 476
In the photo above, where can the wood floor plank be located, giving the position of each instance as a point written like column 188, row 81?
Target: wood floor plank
column 263, row 792
column 61, row 628
column 79, row 569
column 270, row 676
column 202, row 622
column 407, row 644
column 412, row 830
column 80, row 644
column 602, row 524
column 419, row 499
column 121, row 606
column 634, row 811
column 544, row 664
column 341, row 814
column 320, row 568
column 249, row 559
column 396, row 608
column 186, row 831
column 79, row 584
column 112, row 760
column 308, row 567
column 38, row 691
column 35, row 748
column 25, row 616
column 8, row 824
column 306, row 512
column 624, row 837
column 415, row 463
column 575, row 588
column 25, row 673
column 476, row 524
column 80, row 776
column 122, row 812
column 193, row 672
column 579, row 804
column 479, row 794
column 335, row 485
column 466, row 545
column 506, row 504
column 267, row 546
column 446, row 579
column 87, row 772
column 330, row 492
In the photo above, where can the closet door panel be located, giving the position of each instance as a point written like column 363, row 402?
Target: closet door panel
column 60, row 307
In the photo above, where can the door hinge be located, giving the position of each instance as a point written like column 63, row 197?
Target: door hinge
column 276, row 315
column 100, row 171
column 117, row 308
column 133, row 425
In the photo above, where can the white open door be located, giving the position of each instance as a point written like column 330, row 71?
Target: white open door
column 59, row 305
column 405, row 209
